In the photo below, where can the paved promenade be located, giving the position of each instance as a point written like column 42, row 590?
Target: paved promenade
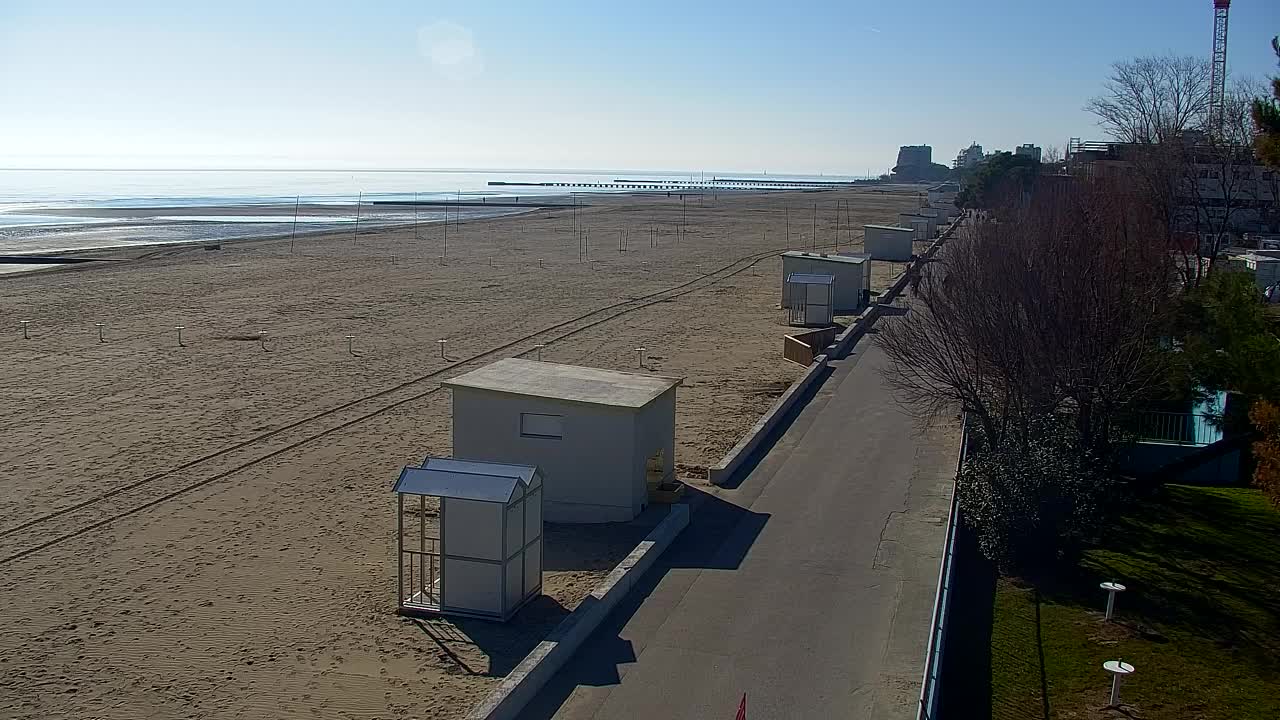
column 809, row 587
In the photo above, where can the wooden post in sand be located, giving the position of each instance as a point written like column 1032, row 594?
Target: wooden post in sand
column 294, row 234
column 99, row 326
column 441, row 343
column 837, row 226
column 350, row 339
column 787, row 209
column 684, row 216
column 24, row 324
column 180, row 328
column 815, row 226
column 538, row 349
column 359, row 203
column 640, row 352
column 415, row 216
column 262, row 339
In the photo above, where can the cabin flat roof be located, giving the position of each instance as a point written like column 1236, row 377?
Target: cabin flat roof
column 465, row 479
column 855, row 259
column 894, row 228
column 572, row 383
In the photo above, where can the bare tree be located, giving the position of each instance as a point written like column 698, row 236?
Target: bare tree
column 1055, row 310
column 1201, row 183
column 1052, row 155
column 1152, row 99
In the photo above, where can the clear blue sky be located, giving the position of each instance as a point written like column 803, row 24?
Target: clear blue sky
column 800, row 87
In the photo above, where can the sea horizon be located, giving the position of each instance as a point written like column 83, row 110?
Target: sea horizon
column 56, row 210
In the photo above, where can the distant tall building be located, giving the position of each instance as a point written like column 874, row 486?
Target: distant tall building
column 968, row 157
column 1028, row 150
column 921, row 155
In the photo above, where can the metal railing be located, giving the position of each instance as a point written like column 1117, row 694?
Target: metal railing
column 930, row 685
column 422, row 577
column 1175, row 428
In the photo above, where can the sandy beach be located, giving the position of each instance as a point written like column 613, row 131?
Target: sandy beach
column 207, row 529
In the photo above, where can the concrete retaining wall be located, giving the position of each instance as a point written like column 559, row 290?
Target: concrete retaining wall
column 523, row 683
column 723, row 470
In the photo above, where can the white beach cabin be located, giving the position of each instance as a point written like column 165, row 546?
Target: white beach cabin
column 481, row 556
column 883, row 242
column 600, row 437
column 925, row 227
column 851, row 273
column 808, row 300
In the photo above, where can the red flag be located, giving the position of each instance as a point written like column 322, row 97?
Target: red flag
column 742, row 709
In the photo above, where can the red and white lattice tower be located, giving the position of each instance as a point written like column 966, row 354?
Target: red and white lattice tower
column 1218, row 70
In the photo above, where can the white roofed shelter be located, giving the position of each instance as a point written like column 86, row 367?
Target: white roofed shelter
column 851, row 273
column 600, row 437
column 482, row 555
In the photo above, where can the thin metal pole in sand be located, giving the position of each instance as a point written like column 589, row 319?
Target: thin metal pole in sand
column 441, row 343
column 350, row 339
column 99, row 326
column 815, row 226
column 415, row 216
column 297, row 201
column 180, row 328
column 359, row 202
column 262, row 339
column 787, row 210
column 539, row 262
column 640, row 353
column 445, row 252
column 538, row 349
column 24, row 324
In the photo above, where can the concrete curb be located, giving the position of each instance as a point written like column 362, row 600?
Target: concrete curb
column 723, row 470
column 720, row 473
column 520, row 686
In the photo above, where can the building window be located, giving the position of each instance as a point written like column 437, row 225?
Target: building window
column 541, row 426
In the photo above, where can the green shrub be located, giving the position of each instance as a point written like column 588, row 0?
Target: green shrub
column 1034, row 500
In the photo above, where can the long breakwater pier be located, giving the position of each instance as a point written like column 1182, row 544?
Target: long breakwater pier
column 717, row 184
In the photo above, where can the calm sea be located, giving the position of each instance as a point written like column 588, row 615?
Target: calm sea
column 57, row 210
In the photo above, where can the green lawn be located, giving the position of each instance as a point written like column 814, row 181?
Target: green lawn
column 1201, row 619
